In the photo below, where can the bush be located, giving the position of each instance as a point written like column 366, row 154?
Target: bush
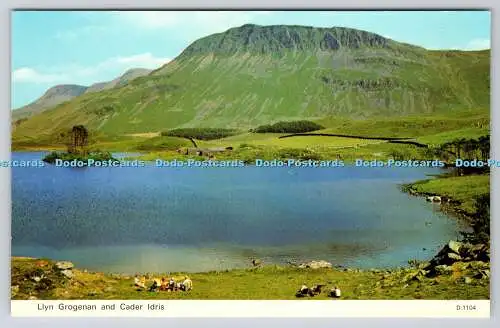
column 481, row 221
column 288, row 127
column 200, row 133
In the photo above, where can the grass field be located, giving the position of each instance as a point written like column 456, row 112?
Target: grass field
column 273, row 140
column 427, row 129
column 265, row 283
column 462, row 189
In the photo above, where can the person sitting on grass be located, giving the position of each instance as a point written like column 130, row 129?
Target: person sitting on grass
column 187, row 284
column 303, row 291
column 156, row 285
column 335, row 292
column 164, row 284
column 140, row 281
column 316, row 290
column 171, row 284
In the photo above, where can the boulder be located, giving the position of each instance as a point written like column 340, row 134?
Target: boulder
column 454, row 246
column 67, row 273
column 454, row 257
column 36, row 278
column 65, row 265
column 467, row 280
column 461, row 266
column 478, row 265
column 316, row 265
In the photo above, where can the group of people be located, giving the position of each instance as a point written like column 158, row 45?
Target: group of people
column 316, row 290
column 164, row 284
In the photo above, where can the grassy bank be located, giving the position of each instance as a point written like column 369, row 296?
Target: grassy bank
column 461, row 190
column 267, row 282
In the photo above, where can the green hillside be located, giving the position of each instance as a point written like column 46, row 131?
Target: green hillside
column 253, row 75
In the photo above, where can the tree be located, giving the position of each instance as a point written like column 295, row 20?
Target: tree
column 78, row 139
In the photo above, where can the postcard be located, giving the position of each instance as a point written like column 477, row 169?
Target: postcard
column 250, row 163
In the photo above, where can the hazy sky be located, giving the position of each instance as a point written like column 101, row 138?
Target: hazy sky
column 84, row 47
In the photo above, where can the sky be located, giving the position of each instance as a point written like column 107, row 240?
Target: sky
column 85, row 47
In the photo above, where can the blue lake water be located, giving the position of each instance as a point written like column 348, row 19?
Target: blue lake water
column 198, row 219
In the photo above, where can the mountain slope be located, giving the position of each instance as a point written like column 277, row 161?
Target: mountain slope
column 61, row 93
column 251, row 75
column 52, row 97
column 119, row 81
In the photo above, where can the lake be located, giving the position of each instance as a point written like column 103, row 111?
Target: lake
column 153, row 219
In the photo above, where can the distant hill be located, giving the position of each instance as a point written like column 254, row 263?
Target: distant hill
column 119, row 81
column 61, row 93
column 253, row 75
column 52, row 97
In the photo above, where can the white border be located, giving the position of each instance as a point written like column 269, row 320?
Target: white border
column 257, row 309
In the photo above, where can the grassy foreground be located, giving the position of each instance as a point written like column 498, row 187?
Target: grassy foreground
column 263, row 283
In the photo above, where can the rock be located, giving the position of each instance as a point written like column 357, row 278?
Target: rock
column 482, row 274
column 316, row 265
column 454, row 257
column 467, row 280
column 32, row 298
column 478, row 265
column 65, row 265
column 443, row 270
column 36, row 278
column 68, row 273
column 454, row 246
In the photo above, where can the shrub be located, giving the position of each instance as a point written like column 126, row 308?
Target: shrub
column 200, row 133
column 288, row 127
column 481, row 221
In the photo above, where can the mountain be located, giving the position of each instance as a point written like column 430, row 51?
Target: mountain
column 119, row 81
column 252, row 75
column 52, row 97
column 61, row 93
